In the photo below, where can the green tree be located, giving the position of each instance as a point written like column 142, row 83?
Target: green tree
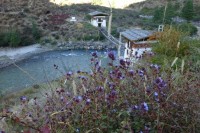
column 188, row 10
column 170, row 12
column 35, row 31
column 188, row 28
column 158, row 15
column 15, row 38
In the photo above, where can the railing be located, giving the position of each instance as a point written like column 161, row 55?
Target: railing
column 110, row 37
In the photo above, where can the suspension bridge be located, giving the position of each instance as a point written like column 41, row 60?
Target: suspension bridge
column 113, row 40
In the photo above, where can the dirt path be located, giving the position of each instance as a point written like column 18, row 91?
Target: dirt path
column 10, row 55
column 15, row 53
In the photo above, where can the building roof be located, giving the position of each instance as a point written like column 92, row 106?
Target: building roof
column 97, row 13
column 136, row 34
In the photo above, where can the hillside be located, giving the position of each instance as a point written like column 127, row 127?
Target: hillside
column 155, row 3
column 50, row 19
column 106, row 3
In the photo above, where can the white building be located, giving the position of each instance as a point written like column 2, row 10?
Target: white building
column 98, row 19
column 137, row 42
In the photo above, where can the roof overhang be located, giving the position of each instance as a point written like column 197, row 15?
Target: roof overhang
column 97, row 13
column 136, row 34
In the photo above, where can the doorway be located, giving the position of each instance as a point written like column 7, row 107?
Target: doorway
column 99, row 24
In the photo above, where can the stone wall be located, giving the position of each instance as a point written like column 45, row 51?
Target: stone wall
column 86, row 45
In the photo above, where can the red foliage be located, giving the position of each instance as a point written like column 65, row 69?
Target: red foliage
column 58, row 19
column 45, row 129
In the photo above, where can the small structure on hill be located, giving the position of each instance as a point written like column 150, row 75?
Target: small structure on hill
column 73, row 19
column 137, row 42
column 98, row 19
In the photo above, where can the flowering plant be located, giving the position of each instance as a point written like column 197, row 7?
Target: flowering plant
column 119, row 98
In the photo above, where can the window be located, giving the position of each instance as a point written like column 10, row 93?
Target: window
column 100, row 20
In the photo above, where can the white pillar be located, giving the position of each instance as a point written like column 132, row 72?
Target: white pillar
column 119, row 45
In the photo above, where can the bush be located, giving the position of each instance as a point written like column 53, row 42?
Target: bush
column 120, row 98
column 10, row 38
column 147, row 11
column 171, row 43
column 13, row 38
column 3, row 42
column 36, row 32
column 188, row 28
column 196, row 13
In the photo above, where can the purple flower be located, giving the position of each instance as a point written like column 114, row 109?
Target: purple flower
column 141, row 73
column 111, row 55
column 88, row 101
column 128, row 62
column 68, row 104
column 160, row 83
column 155, row 94
column 148, row 90
column 94, row 54
column 78, row 71
column 158, row 80
column 78, row 99
column 155, row 66
column 23, row 98
column 135, row 107
column 122, row 62
column 131, row 72
column 69, row 73
column 147, row 128
column 151, row 53
column 82, row 77
column 119, row 75
column 113, row 92
column 62, row 98
column 100, row 89
column 111, row 85
column 145, row 106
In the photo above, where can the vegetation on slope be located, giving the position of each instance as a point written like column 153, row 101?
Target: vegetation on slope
column 53, row 21
column 121, row 98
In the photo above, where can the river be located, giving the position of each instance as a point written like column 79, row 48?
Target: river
column 40, row 68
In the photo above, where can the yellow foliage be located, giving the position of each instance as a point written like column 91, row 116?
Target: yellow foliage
column 79, row 25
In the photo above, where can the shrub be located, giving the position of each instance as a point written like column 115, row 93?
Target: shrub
column 36, row 32
column 171, row 43
column 188, row 28
column 120, row 98
column 10, row 38
column 3, row 42
column 188, row 10
column 196, row 13
column 147, row 11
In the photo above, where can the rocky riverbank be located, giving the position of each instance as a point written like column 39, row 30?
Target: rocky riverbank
column 9, row 56
column 86, row 45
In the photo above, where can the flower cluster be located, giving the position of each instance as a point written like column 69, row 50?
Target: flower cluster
column 118, row 98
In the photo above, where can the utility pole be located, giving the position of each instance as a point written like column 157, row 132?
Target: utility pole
column 161, row 27
column 164, row 14
column 110, row 20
